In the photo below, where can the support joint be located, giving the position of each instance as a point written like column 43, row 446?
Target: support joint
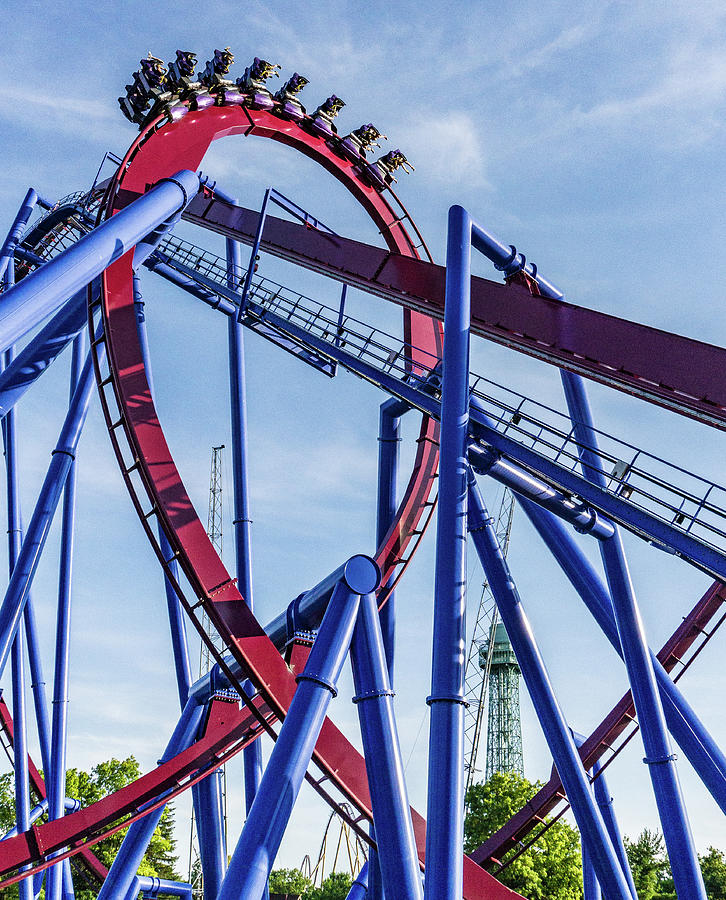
column 59, row 450
column 448, row 698
column 179, row 185
column 660, row 760
column 373, row 695
column 291, row 618
column 318, row 679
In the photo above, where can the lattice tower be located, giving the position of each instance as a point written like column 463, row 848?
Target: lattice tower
column 477, row 675
column 206, row 660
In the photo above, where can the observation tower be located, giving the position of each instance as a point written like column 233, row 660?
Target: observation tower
column 504, row 723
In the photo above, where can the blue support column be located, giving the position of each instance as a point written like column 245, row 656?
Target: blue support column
column 700, row 748
column 20, row 731
column 397, row 854
column 557, row 733
column 56, row 777
column 389, row 438
column 605, row 805
column 359, row 888
column 206, row 796
column 37, row 681
column 15, row 537
column 254, row 856
column 254, row 253
column 20, row 750
column 177, row 621
column 42, row 292
column 15, row 234
column 18, row 589
column 252, row 756
column 121, row 875
column 591, row 887
column 659, row 757
column 210, row 831
column 445, row 832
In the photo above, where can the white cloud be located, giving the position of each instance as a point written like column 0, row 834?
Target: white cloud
column 446, row 147
column 37, row 107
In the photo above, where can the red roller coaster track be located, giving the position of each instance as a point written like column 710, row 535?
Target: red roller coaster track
column 157, row 492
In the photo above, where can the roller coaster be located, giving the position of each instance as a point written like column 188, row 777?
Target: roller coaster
column 71, row 275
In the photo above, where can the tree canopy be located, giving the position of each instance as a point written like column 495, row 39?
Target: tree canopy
column 652, row 872
column 105, row 778
column 552, row 868
column 292, row 883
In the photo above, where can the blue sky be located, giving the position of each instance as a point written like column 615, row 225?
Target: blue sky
column 592, row 139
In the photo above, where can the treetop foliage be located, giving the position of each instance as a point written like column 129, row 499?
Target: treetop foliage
column 552, row 868
column 103, row 779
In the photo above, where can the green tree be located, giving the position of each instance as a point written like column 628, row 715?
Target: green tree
column 105, row 778
column 292, row 882
column 289, row 881
column 713, row 867
column 648, row 863
column 552, row 868
column 335, row 887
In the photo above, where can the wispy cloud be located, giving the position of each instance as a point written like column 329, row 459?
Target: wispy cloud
column 680, row 93
column 39, row 108
column 445, row 147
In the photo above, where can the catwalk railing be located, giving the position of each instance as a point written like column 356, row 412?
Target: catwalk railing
column 685, row 504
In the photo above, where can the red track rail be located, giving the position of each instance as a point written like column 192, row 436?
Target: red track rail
column 182, row 146
column 158, row 153
column 670, row 370
column 91, row 862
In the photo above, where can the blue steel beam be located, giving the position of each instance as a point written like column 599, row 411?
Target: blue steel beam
column 11, row 609
column 644, row 673
column 389, row 439
column 206, row 796
column 152, row 887
column 126, row 864
column 14, row 235
column 254, row 256
column 56, row 778
column 445, row 831
column 42, row 292
column 590, row 884
column 177, row 619
column 396, row 844
column 484, row 432
column 702, row 751
column 37, row 356
column 20, row 750
column 605, row 804
column 15, row 535
column 359, row 888
column 253, row 858
column 20, row 729
column 559, row 737
column 252, row 756
column 659, row 758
